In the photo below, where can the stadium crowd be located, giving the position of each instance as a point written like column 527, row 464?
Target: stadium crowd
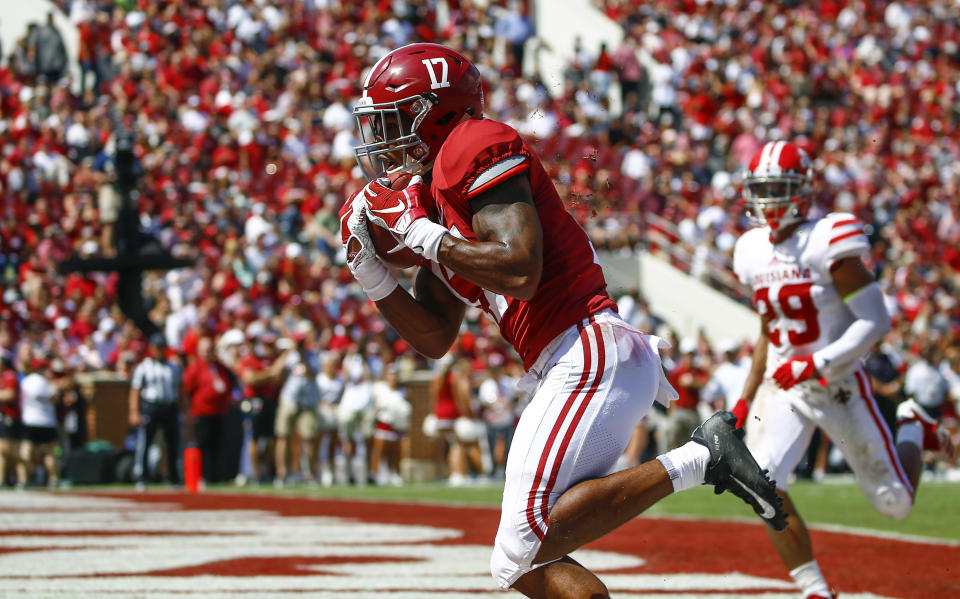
column 241, row 112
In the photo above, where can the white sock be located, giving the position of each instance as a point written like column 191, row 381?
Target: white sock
column 810, row 580
column 910, row 432
column 686, row 465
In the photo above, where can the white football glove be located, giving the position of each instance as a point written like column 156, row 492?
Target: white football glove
column 374, row 277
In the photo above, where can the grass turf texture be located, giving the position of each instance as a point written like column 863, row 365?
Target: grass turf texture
column 834, row 503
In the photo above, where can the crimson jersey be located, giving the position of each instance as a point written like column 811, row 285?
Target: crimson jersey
column 477, row 156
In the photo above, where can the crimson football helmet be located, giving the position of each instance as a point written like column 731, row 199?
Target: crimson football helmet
column 777, row 185
column 412, row 99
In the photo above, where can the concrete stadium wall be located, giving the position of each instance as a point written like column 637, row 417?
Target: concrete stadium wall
column 684, row 302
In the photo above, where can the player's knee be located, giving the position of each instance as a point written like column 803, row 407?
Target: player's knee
column 893, row 502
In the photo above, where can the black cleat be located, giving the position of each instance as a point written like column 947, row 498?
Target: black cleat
column 732, row 468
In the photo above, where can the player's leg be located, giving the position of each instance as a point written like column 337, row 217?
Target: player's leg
column 918, row 429
column 868, row 446
column 594, row 508
column 778, row 434
column 573, row 430
column 561, row 579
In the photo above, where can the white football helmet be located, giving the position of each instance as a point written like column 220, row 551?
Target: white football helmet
column 777, row 186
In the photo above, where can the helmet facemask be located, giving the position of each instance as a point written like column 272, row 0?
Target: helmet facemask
column 388, row 136
column 776, row 201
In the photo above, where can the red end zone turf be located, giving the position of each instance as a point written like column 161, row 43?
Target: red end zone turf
column 253, row 545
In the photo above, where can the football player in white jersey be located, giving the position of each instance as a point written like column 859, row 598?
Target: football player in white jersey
column 821, row 311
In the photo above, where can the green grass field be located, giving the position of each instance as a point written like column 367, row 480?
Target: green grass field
column 936, row 514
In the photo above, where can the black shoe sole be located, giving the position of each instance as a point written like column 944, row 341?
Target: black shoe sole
column 733, row 468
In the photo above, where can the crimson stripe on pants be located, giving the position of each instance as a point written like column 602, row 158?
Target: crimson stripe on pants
column 541, row 467
column 601, row 358
column 867, row 392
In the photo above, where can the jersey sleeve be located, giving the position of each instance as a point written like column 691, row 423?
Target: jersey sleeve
column 477, row 156
column 842, row 236
column 741, row 253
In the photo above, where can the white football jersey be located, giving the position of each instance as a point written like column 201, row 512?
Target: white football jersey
column 792, row 284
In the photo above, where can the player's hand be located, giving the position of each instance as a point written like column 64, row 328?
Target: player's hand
column 401, row 212
column 353, row 232
column 793, row 371
column 366, row 268
column 740, row 410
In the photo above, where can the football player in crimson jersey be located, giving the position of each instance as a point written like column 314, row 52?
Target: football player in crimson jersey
column 821, row 311
column 502, row 241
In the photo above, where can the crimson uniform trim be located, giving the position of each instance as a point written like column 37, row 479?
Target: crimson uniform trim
column 536, row 494
column 601, row 359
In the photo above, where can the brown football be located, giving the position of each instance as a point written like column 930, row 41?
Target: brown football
column 385, row 244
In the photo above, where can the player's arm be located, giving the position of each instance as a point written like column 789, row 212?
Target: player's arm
column 757, row 367
column 862, row 295
column 507, row 257
column 430, row 319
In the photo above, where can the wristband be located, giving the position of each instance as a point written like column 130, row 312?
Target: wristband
column 424, row 237
column 374, row 278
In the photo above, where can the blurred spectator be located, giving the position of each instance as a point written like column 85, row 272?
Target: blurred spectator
column 688, row 379
column 49, row 51
column 356, row 415
column 725, row 386
column 155, row 389
column 630, row 74
column 297, row 411
column 453, row 422
column 331, row 385
column 11, row 426
column 40, row 444
column 260, row 371
column 497, row 395
column 71, row 408
column 923, row 381
column 207, row 384
column 886, row 369
column 513, row 25
column 390, row 441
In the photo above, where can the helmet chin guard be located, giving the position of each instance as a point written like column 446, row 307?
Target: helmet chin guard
column 389, row 140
